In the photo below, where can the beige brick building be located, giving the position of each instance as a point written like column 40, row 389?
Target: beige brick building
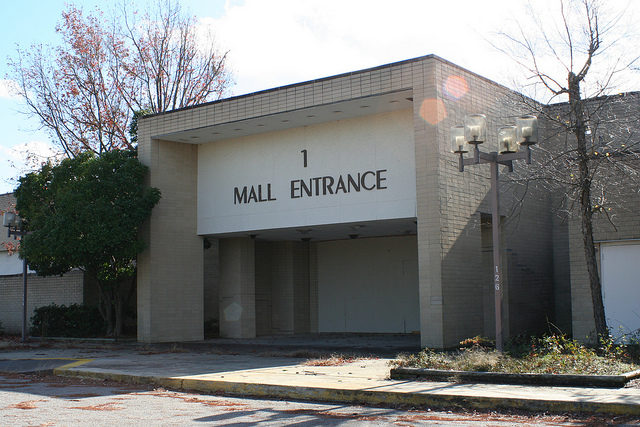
column 335, row 205
column 615, row 151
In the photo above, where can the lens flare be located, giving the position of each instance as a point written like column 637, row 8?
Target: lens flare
column 455, row 87
column 433, row 110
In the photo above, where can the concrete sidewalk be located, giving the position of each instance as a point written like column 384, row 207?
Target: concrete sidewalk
column 362, row 381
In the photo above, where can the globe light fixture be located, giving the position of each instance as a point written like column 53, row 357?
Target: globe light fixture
column 458, row 141
column 475, row 128
column 507, row 139
column 527, row 130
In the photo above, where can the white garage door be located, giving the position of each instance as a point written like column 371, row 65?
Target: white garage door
column 621, row 287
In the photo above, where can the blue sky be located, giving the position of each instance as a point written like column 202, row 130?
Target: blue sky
column 277, row 42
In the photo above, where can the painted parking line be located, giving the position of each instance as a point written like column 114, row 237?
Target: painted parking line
column 76, row 362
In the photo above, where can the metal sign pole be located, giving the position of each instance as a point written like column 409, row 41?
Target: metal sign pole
column 25, row 335
column 497, row 266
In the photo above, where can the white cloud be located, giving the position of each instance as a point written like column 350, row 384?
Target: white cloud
column 31, row 154
column 8, row 89
column 23, row 158
column 287, row 41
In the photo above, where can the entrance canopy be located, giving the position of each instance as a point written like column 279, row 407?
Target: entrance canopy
column 363, row 229
column 293, row 117
column 331, row 171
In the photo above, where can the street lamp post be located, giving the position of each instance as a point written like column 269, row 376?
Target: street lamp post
column 510, row 138
column 15, row 228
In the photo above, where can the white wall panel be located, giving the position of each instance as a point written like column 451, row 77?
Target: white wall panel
column 620, row 266
column 271, row 164
column 10, row 264
column 368, row 285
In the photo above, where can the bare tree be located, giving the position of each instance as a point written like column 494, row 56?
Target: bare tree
column 591, row 150
column 167, row 64
column 70, row 88
column 86, row 90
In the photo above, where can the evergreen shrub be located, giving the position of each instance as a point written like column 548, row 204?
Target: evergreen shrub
column 75, row 321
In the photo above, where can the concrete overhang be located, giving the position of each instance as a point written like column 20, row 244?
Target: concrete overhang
column 321, row 113
column 340, row 231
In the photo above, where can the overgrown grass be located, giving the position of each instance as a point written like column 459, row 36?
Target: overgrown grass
column 554, row 354
column 332, row 360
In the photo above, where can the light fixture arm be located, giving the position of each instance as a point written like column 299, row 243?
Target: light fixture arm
column 506, row 159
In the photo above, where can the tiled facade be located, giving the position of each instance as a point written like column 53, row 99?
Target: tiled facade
column 616, row 121
column 41, row 291
column 464, row 202
column 274, row 286
column 170, row 271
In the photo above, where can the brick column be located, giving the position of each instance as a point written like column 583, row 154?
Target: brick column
column 430, row 286
column 170, row 270
column 290, row 288
column 237, row 288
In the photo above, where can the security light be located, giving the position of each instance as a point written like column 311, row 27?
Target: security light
column 9, row 219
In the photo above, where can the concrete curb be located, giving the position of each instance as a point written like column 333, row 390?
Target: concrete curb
column 605, row 381
column 366, row 397
column 43, row 365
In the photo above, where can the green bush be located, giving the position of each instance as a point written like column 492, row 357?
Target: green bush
column 557, row 344
column 76, row 321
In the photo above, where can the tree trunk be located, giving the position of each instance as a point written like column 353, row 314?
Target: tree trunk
column 579, row 125
column 105, row 306
column 117, row 299
column 111, row 307
column 108, row 310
